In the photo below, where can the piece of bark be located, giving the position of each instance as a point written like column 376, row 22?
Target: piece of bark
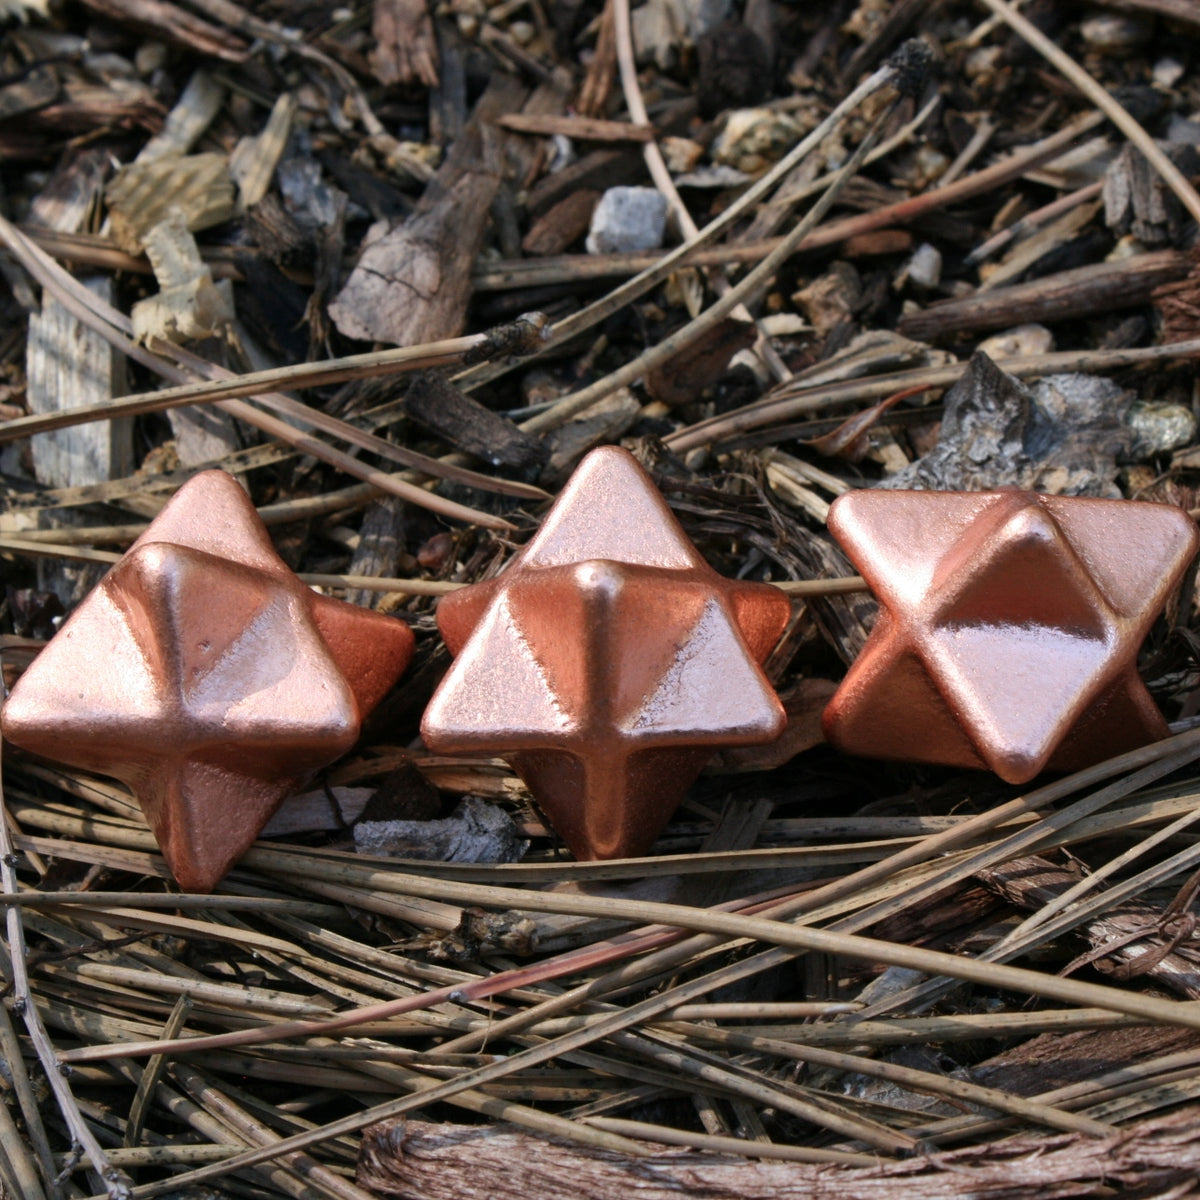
column 330, row 242
column 36, row 89
column 1083, row 292
column 594, row 172
column 1128, row 940
column 562, row 225
column 604, row 421
column 68, row 365
column 405, row 48
column 1137, row 199
column 419, row 1160
column 380, row 545
column 328, row 808
column 448, row 101
column 601, row 72
column 193, row 112
column 588, row 129
column 411, row 285
column 682, row 378
column 1054, row 1060
column 253, row 161
column 280, row 237
column 881, row 241
column 143, row 194
column 438, row 405
column 69, row 195
column 85, row 106
column 170, row 23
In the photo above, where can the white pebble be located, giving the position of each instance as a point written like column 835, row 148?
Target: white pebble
column 628, row 219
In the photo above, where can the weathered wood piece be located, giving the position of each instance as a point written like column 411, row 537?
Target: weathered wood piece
column 68, row 366
column 380, row 545
column 253, row 161
column 1127, row 940
column 1102, row 287
column 681, row 379
column 594, row 172
column 561, row 225
column 405, row 49
column 412, row 285
column 438, row 405
column 194, row 111
column 144, row 193
column 588, row 129
column 1137, row 199
column 167, row 21
column 423, row 1161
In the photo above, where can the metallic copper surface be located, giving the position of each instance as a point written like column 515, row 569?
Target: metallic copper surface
column 1009, row 626
column 206, row 676
column 608, row 662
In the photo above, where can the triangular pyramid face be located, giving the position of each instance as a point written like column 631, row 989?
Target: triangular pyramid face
column 1134, row 551
column 762, row 613
column 189, row 608
column 292, row 701
column 370, row 649
column 1123, row 717
column 205, row 818
column 1017, row 689
column 610, row 806
column 495, row 694
column 610, row 509
column 563, row 616
column 211, row 512
column 652, row 629
column 712, row 690
column 79, row 710
column 459, row 612
column 898, row 539
column 889, row 707
column 1025, row 574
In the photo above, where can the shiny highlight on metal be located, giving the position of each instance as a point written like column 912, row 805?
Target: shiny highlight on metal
column 608, row 663
column 207, row 677
column 1008, row 629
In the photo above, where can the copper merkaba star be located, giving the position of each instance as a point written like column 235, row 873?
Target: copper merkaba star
column 206, row 676
column 608, row 662
column 1009, row 626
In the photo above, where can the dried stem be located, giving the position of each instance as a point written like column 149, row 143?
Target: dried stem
column 116, row 1184
column 1172, row 176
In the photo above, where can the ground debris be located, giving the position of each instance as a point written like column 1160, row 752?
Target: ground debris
column 387, row 208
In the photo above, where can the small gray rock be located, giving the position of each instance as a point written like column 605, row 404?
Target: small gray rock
column 628, row 219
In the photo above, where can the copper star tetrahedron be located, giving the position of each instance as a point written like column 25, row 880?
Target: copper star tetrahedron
column 205, row 675
column 1009, row 626
column 608, row 663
